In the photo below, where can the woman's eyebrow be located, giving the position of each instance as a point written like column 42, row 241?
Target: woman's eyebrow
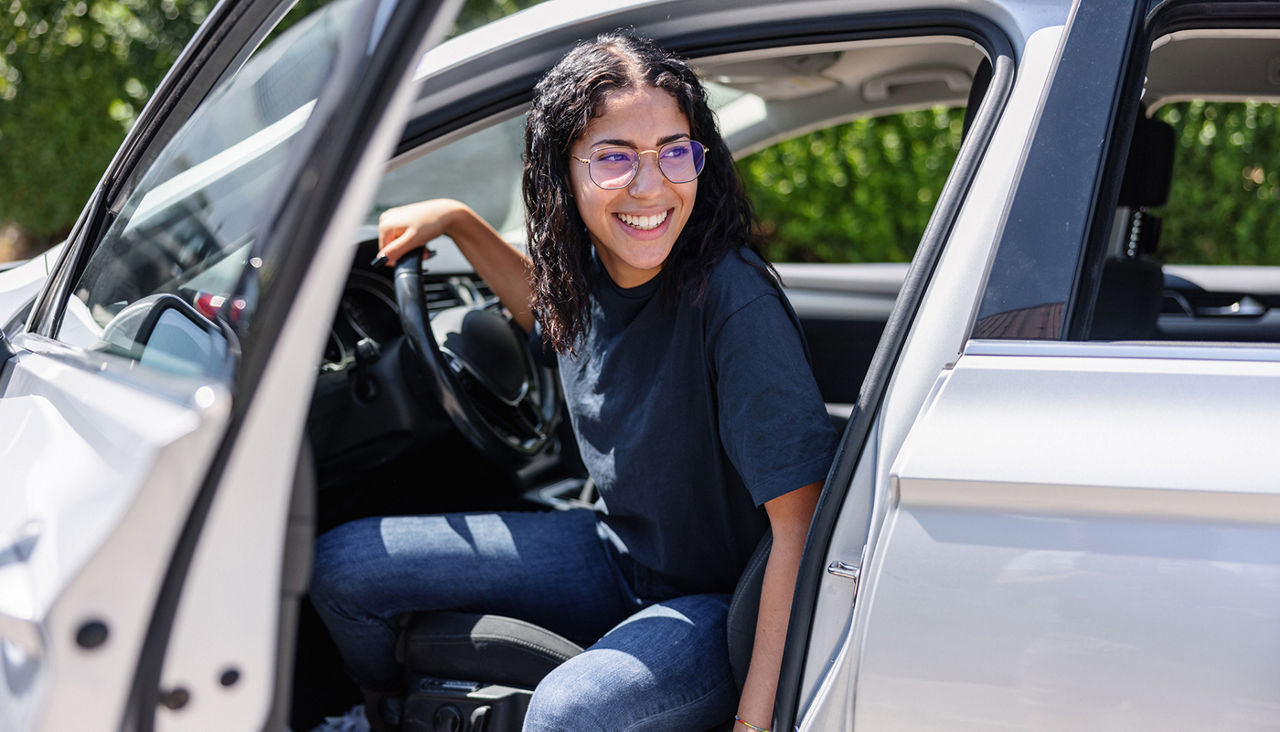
column 628, row 143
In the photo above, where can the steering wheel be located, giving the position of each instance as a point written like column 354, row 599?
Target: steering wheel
column 480, row 370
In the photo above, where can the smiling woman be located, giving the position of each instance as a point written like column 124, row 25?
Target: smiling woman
column 692, row 405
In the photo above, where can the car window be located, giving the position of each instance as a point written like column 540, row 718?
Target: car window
column 482, row 170
column 1193, row 251
column 861, row 191
column 162, row 286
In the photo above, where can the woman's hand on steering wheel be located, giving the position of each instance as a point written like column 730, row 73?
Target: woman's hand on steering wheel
column 405, row 228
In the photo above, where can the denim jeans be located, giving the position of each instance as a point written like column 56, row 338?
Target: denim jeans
column 652, row 663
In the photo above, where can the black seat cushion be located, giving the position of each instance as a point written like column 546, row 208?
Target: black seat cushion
column 475, row 647
column 744, row 608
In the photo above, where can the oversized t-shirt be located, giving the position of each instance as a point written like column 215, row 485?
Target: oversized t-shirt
column 689, row 417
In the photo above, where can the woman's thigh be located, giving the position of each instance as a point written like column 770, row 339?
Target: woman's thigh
column 664, row 668
column 549, row 568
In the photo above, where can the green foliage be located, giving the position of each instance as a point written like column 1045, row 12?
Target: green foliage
column 72, row 77
column 858, row 192
column 1226, row 185
column 476, row 13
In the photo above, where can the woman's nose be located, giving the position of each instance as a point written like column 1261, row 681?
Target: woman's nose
column 649, row 179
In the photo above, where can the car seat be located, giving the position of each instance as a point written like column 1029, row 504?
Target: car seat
column 1131, row 290
column 469, row 672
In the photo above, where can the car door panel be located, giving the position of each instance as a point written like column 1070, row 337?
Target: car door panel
column 156, row 446
column 99, row 478
column 1033, row 497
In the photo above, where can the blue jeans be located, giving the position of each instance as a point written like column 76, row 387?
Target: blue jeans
column 653, row 663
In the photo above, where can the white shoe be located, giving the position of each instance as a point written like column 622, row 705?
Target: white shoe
column 353, row 721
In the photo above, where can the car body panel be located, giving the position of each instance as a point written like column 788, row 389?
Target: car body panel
column 104, row 476
column 1039, row 493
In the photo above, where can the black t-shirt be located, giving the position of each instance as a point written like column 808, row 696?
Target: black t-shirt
column 690, row 417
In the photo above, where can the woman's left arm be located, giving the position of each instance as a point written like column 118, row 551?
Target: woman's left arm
column 789, row 517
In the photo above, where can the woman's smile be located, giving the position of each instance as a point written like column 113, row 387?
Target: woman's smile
column 634, row 228
column 642, row 222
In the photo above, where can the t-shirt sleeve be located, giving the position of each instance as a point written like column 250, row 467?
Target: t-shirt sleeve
column 773, row 423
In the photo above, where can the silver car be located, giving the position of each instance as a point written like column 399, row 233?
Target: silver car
column 1055, row 503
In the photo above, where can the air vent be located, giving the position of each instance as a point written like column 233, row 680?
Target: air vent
column 458, row 290
column 440, row 295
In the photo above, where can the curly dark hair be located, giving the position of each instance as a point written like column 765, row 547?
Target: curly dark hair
column 565, row 101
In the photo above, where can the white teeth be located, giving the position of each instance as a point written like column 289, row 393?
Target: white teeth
column 644, row 223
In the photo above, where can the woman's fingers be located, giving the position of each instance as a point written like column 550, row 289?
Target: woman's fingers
column 401, row 245
column 405, row 228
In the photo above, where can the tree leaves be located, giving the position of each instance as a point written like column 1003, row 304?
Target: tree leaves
column 858, row 192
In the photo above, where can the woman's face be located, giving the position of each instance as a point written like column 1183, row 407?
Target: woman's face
column 633, row 228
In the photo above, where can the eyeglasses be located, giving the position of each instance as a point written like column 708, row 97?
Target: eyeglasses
column 612, row 168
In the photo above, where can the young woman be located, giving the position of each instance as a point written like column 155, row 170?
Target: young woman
column 690, row 395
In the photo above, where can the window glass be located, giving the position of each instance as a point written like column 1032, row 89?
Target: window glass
column 161, row 286
column 482, row 170
column 1226, row 184
column 1193, row 252
column 862, row 191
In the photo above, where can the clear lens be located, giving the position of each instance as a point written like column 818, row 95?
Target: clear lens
column 615, row 167
column 681, row 161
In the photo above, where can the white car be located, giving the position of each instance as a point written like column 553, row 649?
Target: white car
column 1056, row 499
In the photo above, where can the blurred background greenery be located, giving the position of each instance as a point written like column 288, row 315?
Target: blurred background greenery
column 75, row 73
column 73, row 76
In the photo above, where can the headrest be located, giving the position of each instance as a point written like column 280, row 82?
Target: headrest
column 1149, row 171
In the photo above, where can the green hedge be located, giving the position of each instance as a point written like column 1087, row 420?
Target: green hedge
column 858, row 192
column 1222, row 205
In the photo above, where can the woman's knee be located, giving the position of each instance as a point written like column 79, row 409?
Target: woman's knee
column 567, row 699
column 336, row 572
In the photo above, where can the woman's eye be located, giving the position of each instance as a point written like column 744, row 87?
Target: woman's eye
column 675, row 151
column 614, row 157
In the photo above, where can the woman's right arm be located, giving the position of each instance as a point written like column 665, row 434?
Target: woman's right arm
column 505, row 268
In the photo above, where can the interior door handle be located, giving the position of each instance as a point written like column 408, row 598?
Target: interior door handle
column 19, row 630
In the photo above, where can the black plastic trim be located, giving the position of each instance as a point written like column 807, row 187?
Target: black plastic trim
column 302, row 221
column 875, row 385
column 1039, row 258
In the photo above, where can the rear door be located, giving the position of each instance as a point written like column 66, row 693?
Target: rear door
column 168, row 362
column 1067, row 534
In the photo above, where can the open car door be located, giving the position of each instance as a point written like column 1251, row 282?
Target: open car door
column 152, row 402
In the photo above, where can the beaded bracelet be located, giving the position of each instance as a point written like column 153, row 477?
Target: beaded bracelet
column 749, row 725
